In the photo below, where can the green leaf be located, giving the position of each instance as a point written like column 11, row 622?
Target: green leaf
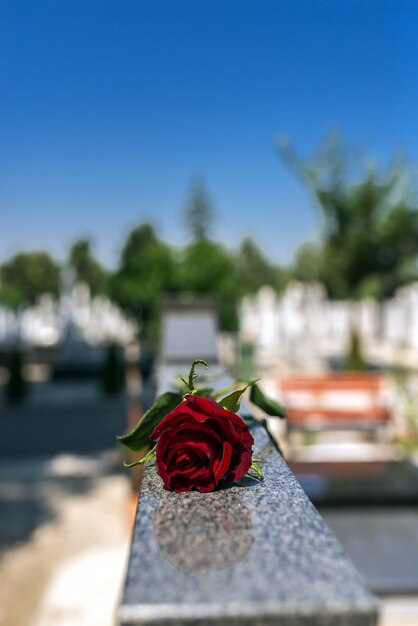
column 138, row 437
column 222, row 392
column 257, row 470
column 151, row 456
column 268, row 405
column 250, row 421
column 204, row 392
column 232, row 401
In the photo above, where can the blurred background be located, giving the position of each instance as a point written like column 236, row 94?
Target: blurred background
column 231, row 180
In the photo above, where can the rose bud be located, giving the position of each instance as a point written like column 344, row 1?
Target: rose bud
column 199, row 443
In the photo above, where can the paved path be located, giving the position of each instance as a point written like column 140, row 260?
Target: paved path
column 83, row 517
column 85, row 589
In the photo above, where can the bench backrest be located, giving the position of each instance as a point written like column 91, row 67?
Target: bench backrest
column 340, row 400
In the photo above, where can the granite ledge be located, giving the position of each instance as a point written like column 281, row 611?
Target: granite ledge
column 242, row 615
column 252, row 553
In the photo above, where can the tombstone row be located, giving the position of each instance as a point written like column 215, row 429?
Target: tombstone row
column 304, row 319
column 46, row 322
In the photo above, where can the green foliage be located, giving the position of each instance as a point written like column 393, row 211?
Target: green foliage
column 138, row 438
column 254, row 270
column 16, row 388
column 190, row 383
column 232, row 401
column 246, row 360
column 149, row 268
column 206, row 267
column 369, row 239
column 145, row 272
column 86, row 268
column 198, row 211
column 113, row 371
column 265, row 403
column 354, row 361
column 26, row 276
column 307, row 266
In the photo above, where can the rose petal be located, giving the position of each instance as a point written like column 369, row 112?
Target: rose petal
column 221, row 468
column 199, row 442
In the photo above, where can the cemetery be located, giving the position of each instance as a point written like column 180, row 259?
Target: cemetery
column 329, row 536
column 313, row 332
column 47, row 323
column 208, row 313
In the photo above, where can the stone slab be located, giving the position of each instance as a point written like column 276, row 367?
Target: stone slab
column 382, row 542
column 252, row 553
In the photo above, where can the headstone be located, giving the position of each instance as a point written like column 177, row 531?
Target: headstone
column 189, row 330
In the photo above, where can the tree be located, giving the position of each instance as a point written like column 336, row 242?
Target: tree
column 26, row 276
column 198, row 211
column 16, row 386
column 307, row 265
column 207, row 268
column 369, row 238
column 145, row 272
column 354, row 361
column 85, row 267
column 254, row 270
column 112, row 374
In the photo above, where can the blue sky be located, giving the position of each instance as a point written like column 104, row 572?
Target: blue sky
column 109, row 108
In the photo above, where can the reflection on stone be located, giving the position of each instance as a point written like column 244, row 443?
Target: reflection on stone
column 203, row 534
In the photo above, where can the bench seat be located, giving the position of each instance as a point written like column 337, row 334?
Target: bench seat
column 335, row 401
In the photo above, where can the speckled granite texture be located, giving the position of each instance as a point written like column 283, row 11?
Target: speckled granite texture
column 252, row 553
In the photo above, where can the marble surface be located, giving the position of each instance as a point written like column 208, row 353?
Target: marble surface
column 250, row 553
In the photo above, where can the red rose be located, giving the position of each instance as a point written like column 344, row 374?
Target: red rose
column 199, row 443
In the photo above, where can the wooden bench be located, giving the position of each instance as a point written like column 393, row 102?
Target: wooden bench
column 345, row 401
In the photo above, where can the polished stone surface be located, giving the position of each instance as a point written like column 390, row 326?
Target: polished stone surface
column 250, row 553
column 372, row 507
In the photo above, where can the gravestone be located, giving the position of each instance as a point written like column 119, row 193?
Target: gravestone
column 189, row 329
